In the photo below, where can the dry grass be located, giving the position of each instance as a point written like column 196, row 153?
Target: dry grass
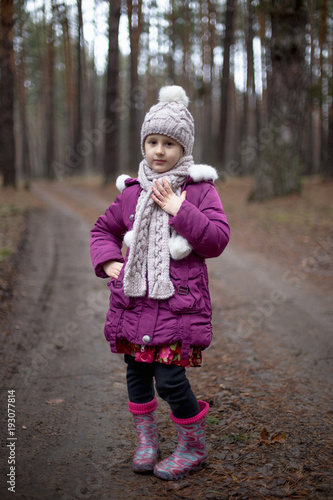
column 15, row 205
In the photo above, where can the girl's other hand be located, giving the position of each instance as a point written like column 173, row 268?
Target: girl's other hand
column 112, row 268
column 166, row 198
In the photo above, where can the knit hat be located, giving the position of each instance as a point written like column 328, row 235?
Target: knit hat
column 170, row 117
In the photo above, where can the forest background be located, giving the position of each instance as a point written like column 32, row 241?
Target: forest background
column 258, row 74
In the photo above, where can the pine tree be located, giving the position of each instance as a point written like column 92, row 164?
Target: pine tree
column 7, row 140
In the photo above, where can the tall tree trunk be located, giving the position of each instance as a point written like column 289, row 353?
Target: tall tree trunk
column 279, row 169
column 225, row 81
column 134, row 13
column 186, row 72
column 91, row 91
column 328, row 167
column 172, row 17
column 87, row 102
column 322, row 46
column 20, row 79
column 71, row 102
column 111, row 145
column 7, row 140
column 262, row 121
column 49, row 100
column 207, row 49
column 308, row 153
column 79, row 93
column 248, row 161
column 38, row 125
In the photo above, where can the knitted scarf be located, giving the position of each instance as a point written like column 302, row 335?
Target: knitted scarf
column 149, row 254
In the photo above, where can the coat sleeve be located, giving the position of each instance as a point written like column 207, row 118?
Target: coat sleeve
column 107, row 237
column 205, row 226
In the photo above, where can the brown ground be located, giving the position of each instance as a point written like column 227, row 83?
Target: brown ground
column 267, row 376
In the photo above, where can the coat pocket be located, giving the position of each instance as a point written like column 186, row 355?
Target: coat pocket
column 188, row 283
column 118, row 297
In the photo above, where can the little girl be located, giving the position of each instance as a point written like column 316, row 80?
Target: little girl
column 171, row 219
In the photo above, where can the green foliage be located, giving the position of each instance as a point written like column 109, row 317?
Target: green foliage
column 212, row 420
column 8, row 210
column 5, row 253
column 239, row 438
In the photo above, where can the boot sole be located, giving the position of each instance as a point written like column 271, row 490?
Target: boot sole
column 161, row 474
column 146, row 468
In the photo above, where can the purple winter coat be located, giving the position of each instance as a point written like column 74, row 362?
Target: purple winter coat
column 186, row 316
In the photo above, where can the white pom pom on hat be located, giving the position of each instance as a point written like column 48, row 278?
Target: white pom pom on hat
column 170, row 117
column 173, row 93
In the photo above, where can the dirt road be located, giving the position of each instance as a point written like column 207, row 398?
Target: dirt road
column 272, row 347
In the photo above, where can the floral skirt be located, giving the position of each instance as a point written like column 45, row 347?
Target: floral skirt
column 169, row 355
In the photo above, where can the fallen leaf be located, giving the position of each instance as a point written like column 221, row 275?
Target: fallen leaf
column 264, row 435
column 280, row 437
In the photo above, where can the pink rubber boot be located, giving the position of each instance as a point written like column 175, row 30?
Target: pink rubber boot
column 147, row 452
column 191, row 453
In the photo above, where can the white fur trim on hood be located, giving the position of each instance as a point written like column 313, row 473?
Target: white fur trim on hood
column 198, row 173
column 202, row 173
column 120, row 182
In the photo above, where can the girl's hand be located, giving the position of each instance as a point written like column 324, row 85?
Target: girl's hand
column 112, row 268
column 166, row 198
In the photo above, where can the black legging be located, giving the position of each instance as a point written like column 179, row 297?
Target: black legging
column 171, row 384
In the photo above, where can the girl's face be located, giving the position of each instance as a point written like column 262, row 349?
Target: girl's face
column 162, row 153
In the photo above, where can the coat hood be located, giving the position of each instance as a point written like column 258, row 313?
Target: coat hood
column 196, row 173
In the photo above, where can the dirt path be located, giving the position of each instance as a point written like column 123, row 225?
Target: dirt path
column 295, row 316
column 270, row 365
